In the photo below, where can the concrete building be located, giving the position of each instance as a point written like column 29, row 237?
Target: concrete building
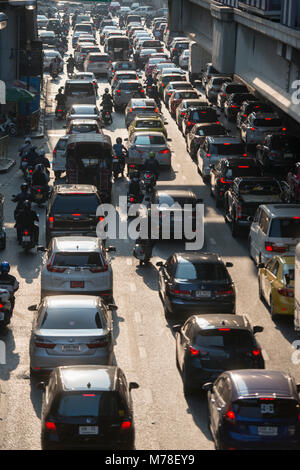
column 258, row 40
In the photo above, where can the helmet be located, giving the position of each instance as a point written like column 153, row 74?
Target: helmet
column 4, row 267
column 24, row 187
column 136, row 174
column 42, row 152
column 28, row 140
column 40, row 167
column 106, row 90
column 119, row 140
column 27, row 205
column 151, row 155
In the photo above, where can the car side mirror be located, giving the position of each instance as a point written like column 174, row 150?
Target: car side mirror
column 41, row 386
column 33, row 308
column 176, row 328
column 42, row 249
column 287, row 279
column 207, row 387
column 261, row 265
column 169, row 140
column 133, row 385
column 229, row 264
column 110, row 249
column 258, row 329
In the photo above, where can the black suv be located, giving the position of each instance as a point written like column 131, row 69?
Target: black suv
column 87, row 407
column 206, row 345
column 72, row 211
column 278, row 152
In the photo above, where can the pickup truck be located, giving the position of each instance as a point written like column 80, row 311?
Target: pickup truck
column 245, row 195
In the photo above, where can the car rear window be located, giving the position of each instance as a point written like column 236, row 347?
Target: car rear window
column 130, row 86
column 99, row 404
column 271, row 408
column 285, row 228
column 149, row 124
column 216, row 339
column 212, row 130
column 125, row 76
column 84, row 128
column 75, row 203
column 83, row 27
column 98, row 58
column 236, row 89
column 242, row 170
column 230, row 149
column 70, row 319
column 262, row 189
column 267, row 122
column 84, row 110
column 210, row 114
column 149, row 140
column 193, row 271
column 152, row 44
column 86, row 89
column 61, row 144
column 183, row 95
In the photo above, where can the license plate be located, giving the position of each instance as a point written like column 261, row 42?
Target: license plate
column 70, row 348
column 1, row 316
column 88, row 430
column 203, row 293
column 39, row 196
column 116, row 161
column 25, row 238
column 75, row 284
column 267, row 431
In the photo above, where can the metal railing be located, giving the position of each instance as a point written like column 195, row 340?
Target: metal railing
column 4, row 143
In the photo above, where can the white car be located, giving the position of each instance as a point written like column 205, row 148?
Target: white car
column 49, row 55
column 77, row 265
column 258, row 125
column 42, row 21
column 97, row 63
column 184, row 59
column 275, row 230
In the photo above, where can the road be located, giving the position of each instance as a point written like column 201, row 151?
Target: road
column 144, row 341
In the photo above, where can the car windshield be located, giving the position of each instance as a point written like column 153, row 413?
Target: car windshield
column 78, row 259
column 229, row 149
column 75, row 203
column 285, row 228
column 267, row 122
column 242, row 170
column 193, row 271
column 71, row 319
column 228, row 339
column 263, row 189
column 275, row 408
column 91, row 404
column 149, row 140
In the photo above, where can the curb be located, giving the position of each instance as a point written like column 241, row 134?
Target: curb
column 6, row 164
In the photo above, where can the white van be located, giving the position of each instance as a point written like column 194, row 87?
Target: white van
column 79, row 92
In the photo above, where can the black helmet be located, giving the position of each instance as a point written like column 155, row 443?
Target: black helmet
column 27, row 205
column 24, row 187
column 119, row 140
column 106, row 90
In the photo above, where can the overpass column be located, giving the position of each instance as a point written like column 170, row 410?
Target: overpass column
column 175, row 14
column 224, row 38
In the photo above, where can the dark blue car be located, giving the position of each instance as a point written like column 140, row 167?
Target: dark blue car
column 254, row 409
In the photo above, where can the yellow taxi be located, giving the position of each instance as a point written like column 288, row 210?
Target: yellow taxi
column 276, row 284
column 147, row 123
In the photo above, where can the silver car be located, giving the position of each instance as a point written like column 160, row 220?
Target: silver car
column 97, row 63
column 123, row 75
column 140, row 107
column 140, row 144
column 77, row 265
column 71, row 330
column 126, row 90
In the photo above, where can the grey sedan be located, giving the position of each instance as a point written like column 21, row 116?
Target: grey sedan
column 83, row 111
column 126, row 90
column 140, row 144
column 71, row 330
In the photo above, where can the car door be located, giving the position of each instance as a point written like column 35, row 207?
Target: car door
column 166, row 275
column 261, row 234
column 271, row 278
column 254, row 234
column 265, row 276
column 216, row 404
column 183, row 339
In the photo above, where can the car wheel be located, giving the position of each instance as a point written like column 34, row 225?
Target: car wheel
column 187, row 389
column 234, row 229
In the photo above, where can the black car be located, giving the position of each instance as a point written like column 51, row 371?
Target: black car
column 249, row 107
column 207, row 345
column 233, row 104
column 278, row 152
column 87, row 407
column 223, row 174
column 227, row 89
column 195, row 282
column 72, row 211
column 254, row 410
column 199, row 114
column 198, row 133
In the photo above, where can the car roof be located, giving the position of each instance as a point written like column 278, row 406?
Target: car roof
column 234, row 161
column 74, row 188
column 261, row 382
column 76, row 244
column 71, row 301
column 142, row 102
column 221, row 140
column 194, row 256
column 219, row 320
column 282, row 210
column 88, row 378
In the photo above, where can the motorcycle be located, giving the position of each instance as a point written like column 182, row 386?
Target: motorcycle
column 142, row 251
column 28, row 174
column 54, row 74
column 27, row 239
column 117, row 167
column 70, row 70
column 6, row 307
column 7, row 126
column 39, row 194
column 60, row 113
column 149, row 182
column 106, row 116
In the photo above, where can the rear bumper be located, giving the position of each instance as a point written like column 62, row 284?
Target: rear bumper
column 105, row 294
column 45, row 364
column 247, row 442
column 185, row 309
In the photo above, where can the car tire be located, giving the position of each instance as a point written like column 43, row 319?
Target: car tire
column 234, row 229
column 187, row 389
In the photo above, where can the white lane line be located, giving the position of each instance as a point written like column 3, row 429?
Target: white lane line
column 142, row 351
column 138, row 317
column 212, row 241
column 132, row 287
column 265, row 355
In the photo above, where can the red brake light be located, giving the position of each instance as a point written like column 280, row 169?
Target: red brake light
column 284, row 129
column 224, row 329
column 51, row 222
column 165, row 151
column 76, row 215
column 101, row 269
column 126, row 425
column 243, row 166
column 55, row 269
column 227, row 143
column 224, row 182
column 230, row 416
column 271, row 247
column 45, row 345
column 26, row 233
column 194, row 352
column 256, row 352
column 50, row 426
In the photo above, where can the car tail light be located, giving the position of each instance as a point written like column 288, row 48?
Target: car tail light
column 26, row 232
column 126, row 425
column 181, row 293
column 256, row 352
column 39, row 344
column 243, row 166
column 130, row 110
column 245, row 155
column 230, row 416
column 165, row 151
column 193, row 352
column 253, row 129
column 183, row 114
column 239, row 211
column 119, row 92
column 101, row 343
column 224, row 181
column 50, row 426
column 286, row 292
column 284, row 129
column 51, row 223
column 59, row 110
column 156, row 110
column 223, row 293
column 55, row 269
column 208, row 155
column 99, row 269
column 271, row 247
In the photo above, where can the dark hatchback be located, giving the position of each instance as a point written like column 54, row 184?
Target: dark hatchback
column 278, row 152
column 194, row 282
column 207, row 345
column 72, row 211
column 254, row 410
column 195, row 115
column 87, row 407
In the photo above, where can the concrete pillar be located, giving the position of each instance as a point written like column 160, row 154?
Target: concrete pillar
column 224, row 38
column 175, row 14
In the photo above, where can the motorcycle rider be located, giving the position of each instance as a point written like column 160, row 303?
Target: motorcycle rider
column 134, row 187
column 155, row 95
column 20, row 198
column 26, row 218
column 120, row 151
column 107, row 102
column 39, row 177
column 61, row 101
column 9, row 282
column 43, row 160
column 25, row 148
column 70, row 64
column 152, row 165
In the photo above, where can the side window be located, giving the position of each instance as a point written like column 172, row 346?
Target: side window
column 275, row 268
column 264, row 222
column 170, row 266
column 257, row 216
column 270, row 265
column 219, row 387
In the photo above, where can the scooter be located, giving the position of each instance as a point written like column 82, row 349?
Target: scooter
column 27, row 240
column 106, row 116
column 7, row 126
column 60, row 113
column 54, row 74
column 6, row 307
column 39, row 194
column 149, row 182
column 117, row 167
